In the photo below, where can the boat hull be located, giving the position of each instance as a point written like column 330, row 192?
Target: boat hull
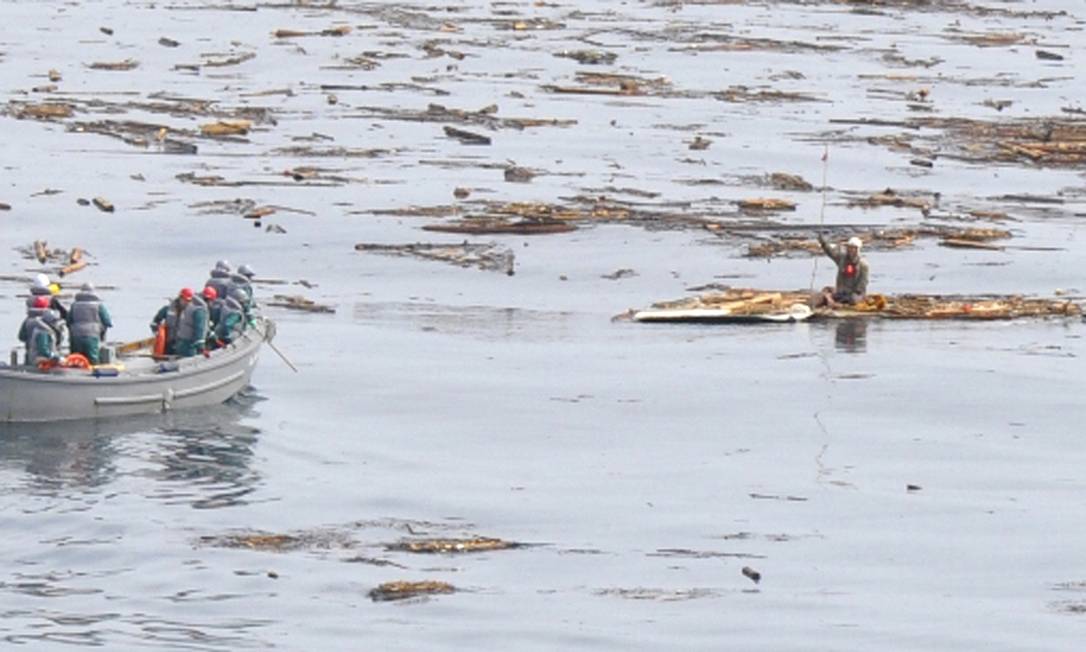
column 145, row 386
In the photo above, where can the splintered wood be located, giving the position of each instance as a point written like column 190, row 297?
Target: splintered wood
column 903, row 306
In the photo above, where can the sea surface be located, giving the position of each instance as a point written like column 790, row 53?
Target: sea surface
column 895, row 485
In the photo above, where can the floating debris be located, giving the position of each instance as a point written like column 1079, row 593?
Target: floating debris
column 785, row 181
column 127, row 64
column 762, row 204
column 300, row 303
column 467, row 137
column 878, row 239
column 47, row 111
column 255, row 541
column 339, row 30
column 663, row 595
column 743, row 94
column 486, row 256
column 619, row 274
column 452, row 546
column 502, row 225
column 752, row 574
column 588, row 57
column 403, row 590
column 742, row 301
column 277, row 542
column 227, row 128
column 103, row 204
column 515, row 174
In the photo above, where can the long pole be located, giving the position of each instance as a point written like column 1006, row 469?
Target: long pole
column 276, row 349
column 822, row 211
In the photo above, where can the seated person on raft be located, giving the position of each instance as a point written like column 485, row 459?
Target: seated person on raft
column 852, row 272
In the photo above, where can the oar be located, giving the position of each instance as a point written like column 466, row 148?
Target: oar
column 128, row 347
column 275, row 348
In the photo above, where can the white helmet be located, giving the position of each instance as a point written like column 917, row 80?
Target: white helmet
column 41, row 281
column 855, row 242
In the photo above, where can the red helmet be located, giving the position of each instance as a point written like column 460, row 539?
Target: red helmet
column 210, row 293
column 185, row 293
column 41, row 302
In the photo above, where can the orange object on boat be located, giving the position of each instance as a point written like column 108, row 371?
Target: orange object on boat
column 160, row 340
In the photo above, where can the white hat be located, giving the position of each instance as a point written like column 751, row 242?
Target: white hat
column 41, row 281
column 855, row 242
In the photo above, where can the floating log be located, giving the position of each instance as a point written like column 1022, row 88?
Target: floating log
column 451, row 546
column 72, row 268
column 403, row 590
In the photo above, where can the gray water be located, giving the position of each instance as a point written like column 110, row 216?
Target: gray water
column 645, row 465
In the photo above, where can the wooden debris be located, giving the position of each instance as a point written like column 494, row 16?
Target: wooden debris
column 877, row 239
column 485, row 256
column 339, row 30
column 4, row 206
column 700, row 143
column 51, row 111
column 299, row 303
column 766, row 204
column 963, row 243
column 257, row 213
column 54, row 75
column 503, row 226
column 72, row 268
column 168, row 42
column 402, row 590
column 588, row 57
column 103, row 204
column 467, row 137
column 784, row 181
column 743, row 94
column 515, row 174
column 452, row 546
column 619, row 274
column 227, row 128
column 75, row 256
column 127, row 64
column 903, row 306
column 752, row 574
column 41, row 251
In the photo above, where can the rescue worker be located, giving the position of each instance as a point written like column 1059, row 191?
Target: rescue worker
column 170, row 314
column 39, row 332
column 220, row 278
column 852, row 272
column 192, row 325
column 231, row 319
column 211, row 298
column 88, row 321
column 41, row 287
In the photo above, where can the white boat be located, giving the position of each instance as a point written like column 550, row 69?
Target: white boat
column 134, row 383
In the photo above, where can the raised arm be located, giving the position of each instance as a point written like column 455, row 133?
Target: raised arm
column 831, row 250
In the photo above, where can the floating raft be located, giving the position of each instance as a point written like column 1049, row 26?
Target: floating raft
column 750, row 305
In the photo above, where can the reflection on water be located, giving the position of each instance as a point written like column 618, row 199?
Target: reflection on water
column 200, row 456
column 486, row 322
column 851, row 336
